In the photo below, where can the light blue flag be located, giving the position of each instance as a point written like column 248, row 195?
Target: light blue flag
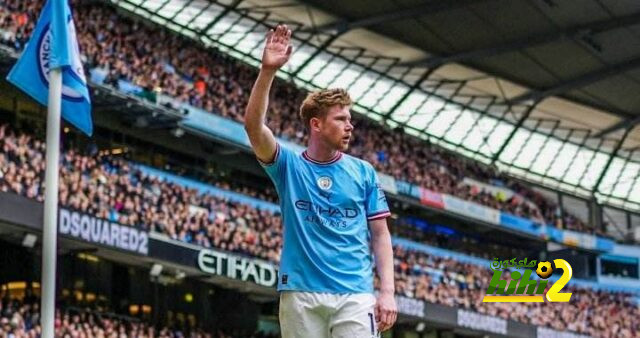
column 53, row 44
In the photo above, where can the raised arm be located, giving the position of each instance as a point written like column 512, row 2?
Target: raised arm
column 276, row 53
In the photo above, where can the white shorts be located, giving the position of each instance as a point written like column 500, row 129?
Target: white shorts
column 323, row 315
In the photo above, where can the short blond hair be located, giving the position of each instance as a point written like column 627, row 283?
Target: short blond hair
column 317, row 104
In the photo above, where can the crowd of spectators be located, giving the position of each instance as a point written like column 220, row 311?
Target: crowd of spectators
column 450, row 282
column 210, row 80
column 111, row 188
column 114, row 189
column 21, row 319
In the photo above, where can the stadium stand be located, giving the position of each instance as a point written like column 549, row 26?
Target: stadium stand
column 120, row 191
column 20, row 319
column 218, row 84
column 450, row 282
column 111, row 189
column 235, row 218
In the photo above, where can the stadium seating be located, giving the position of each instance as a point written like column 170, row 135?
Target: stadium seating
column 126, row 193
column 135, row 195
column 115, row 51
column 20, row 319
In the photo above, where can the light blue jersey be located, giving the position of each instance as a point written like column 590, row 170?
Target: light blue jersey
column 326, row 207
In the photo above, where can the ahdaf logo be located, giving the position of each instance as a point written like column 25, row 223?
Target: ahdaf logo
column 534, row 290
column 325, row 183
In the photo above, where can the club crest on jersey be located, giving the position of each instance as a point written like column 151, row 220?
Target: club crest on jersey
column 325, row 182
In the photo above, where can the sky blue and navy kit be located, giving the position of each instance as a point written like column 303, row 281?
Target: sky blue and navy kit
column 326, row 207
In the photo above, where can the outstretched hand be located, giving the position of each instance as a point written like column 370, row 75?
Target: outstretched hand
column 278, row 48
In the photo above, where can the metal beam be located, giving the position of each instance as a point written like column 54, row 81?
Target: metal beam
column 556, row 155
column 523, row 118
column 407, row 13
column 317, row 52
column 596, row 187
column 219, row 17
column 556, row 124
column 578, row 82
column 574, row 32
column 413, row 88
column 272, row 6
column 628, row 123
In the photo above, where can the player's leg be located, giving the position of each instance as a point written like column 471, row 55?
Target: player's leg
column 354, row 317
column 302, row 314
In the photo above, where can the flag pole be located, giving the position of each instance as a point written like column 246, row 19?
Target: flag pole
column 49, row 237
column 53, row 38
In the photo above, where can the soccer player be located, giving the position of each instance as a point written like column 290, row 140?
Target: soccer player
column 334, row 215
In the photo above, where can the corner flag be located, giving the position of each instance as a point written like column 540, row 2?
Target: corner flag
column 50, row 71
column 53, row 44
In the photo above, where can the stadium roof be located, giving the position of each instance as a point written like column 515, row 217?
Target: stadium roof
column 545, row 90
